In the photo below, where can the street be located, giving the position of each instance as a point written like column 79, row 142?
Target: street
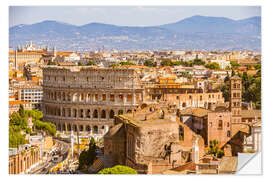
column 61, row 151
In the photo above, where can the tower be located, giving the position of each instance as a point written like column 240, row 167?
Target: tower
column 54, row 51
column 236, row 99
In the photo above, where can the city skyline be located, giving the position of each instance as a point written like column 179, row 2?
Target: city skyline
column 124, row 15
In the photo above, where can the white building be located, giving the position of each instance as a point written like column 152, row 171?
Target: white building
column 222, row 63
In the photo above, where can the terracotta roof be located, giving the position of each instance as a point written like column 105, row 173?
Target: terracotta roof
column 63, row 53
column 18, row 102
column 235, row 77
column 28, row 52
column 252, row 72
column 198, row 112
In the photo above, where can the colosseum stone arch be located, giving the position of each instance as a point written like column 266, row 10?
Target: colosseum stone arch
column 86, row 99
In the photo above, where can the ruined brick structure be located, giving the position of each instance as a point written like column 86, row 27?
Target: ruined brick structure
column 151, row 140
column 186, row 97
column 85, row 98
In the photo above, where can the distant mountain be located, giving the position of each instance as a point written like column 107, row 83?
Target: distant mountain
column 196, row 32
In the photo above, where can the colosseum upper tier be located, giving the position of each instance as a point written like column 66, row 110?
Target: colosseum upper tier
column 85, row 99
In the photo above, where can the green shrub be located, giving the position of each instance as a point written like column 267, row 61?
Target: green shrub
column 118, row 170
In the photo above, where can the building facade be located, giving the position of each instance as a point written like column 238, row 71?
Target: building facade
column 186, row 97
column 86, row 99
column 22, row 161
column 236, row 99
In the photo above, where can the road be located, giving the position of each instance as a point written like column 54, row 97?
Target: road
column 61, row 148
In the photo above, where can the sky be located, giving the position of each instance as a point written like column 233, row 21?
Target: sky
column 124, row 15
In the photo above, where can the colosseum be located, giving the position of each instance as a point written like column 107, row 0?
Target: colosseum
column 85, row 99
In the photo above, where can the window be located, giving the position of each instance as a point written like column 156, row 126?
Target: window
column 219, row 124
column 228, row 124
column 184, row 105
column 181, row 133
column 121, row 98
column 103, row 97
column 111, row 114
column 103, row 114
column 95, row 114
column 112, row 98
column 177, row 97
column 190, row 97
column 129, row 98
column 120, row 112
column 228, row 133
column 96, row 97
column 200, row 98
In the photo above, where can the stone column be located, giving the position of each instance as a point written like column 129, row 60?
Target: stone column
column 107, row 114
column 133, row 98
column 107, row 97
column 116, row 98
column 125, row 98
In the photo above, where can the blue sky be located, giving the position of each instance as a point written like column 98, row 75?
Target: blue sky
column 124, row 15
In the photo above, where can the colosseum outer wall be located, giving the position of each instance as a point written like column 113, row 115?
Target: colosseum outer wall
column 86, row 99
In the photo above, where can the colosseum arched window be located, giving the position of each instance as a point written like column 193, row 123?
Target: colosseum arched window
column 103, row 114
column 95, row 114
column 120, row 112
column 88, row 113
column 75, row 113
column 95, row 129
column 81, row 113
column 64, row 127
column 111, row 114
column 88, row 128
column 75, row 127
column 81, row 127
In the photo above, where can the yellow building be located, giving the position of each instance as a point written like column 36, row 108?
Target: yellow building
column 171, row 82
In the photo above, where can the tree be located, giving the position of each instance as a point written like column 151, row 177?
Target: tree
column 198, row 62
column 187, row 75
column 114, row 65
column 234, row 65
column 213, row 65
column 148, row 63
column 214, row 149
column 51, row 63
column 88, row 157
column 91, row 63
column 92, row 151
column 165, row 63
column 224, row 88
column 118, row 170
column 126, row 63
column 21, row 111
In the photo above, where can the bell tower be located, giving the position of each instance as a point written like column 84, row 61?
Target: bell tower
column 236, row 99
